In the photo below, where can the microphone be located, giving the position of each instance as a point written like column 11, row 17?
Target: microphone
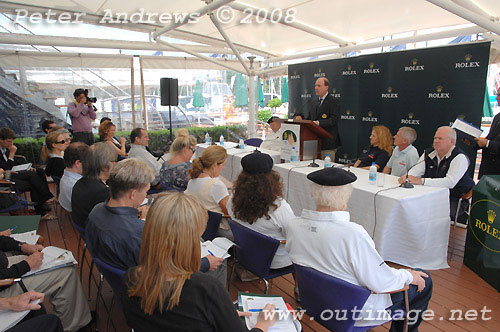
column 407, row 184
column 313, row 164
column 302, row 108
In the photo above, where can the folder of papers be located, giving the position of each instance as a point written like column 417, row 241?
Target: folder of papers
column 53, row 258
column 218, row 247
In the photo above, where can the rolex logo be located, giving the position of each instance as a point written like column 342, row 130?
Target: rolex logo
column 468, row 63
column 414, row 66
column 334, row 94
column 410, row 120
column 390, row 94
column 439, row 94
column 319, row 73
column 371, row 65
column 369, row 118
column 414, row 62
column 439, row 88
column 371, row 70
column 348, row 116
column 349, row 71
column 295, row 76
column 468, row 57
column 410, row 116
column 491, row 216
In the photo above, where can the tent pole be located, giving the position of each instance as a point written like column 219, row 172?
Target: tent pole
column 132, row 91
column 251, row 106
column 143, row 96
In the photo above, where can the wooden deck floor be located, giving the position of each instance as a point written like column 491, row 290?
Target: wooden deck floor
column 454, row 288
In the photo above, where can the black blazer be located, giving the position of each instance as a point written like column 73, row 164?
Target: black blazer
column 490, row 162
column 7, row 164
column 328, row 115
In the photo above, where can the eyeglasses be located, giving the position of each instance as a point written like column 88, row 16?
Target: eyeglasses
column 63, row 141
column 192, row 149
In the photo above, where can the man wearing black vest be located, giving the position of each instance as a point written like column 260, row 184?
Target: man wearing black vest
column 325, row 112
column 490, row 161
column 443, row 166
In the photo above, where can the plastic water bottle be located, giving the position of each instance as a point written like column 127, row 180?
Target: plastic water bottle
column 328, row 161
column 221, row 140
column 372, row 177
column 241, row 144
column 207, row 138
column 294, row 159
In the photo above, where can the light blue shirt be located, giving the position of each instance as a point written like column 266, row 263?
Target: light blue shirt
column 401, row 161
column 68, row 180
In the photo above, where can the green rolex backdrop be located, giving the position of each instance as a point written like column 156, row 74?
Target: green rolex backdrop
column 423, row 89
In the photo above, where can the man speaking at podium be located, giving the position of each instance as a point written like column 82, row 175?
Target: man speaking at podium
column 325, row 112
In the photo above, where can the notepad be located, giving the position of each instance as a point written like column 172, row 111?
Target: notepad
column 467, row 128
column 9, row 318
column 28, row 237
column 53, row 258
column 284, row 323
column 23, row 167
column 218, row 246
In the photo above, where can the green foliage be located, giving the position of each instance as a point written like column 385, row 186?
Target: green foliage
column 264, row 114
column 276, row 102
column 31, row 148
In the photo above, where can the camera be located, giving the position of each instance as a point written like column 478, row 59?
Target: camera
column 89, row 99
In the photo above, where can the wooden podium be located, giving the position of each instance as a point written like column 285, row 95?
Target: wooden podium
column 309, row 132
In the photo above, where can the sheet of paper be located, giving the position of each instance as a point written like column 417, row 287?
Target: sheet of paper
column 27, row 237
column 284, row 323
column 467, row 128
column 53, row 257
column 223, row 243
column 23, row 167
column 9, row 318
column 216, row 250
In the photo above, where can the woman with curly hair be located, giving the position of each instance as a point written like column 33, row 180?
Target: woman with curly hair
column 107, row 131
column 258, row 203
column 379, row 151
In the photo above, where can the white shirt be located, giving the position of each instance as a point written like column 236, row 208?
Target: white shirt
column 68, row 180
column 140, row 152
column 458, row 167
column 217, row 191
column 272, row 141
column 401, row 161
column 273, row 228
column 330, row 243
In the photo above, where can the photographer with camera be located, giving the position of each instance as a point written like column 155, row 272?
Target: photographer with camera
column 82, row 112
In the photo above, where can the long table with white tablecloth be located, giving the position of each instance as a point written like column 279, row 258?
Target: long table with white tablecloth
column 409, row 226
column 234, row 156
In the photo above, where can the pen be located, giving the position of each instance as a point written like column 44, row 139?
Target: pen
column 254, row 310
column 13, row 228
column 211, row 253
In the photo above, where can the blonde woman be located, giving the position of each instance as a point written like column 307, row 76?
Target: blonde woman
column 379, row 151
column 166, row 292
column 206, row 185
column 53, row 152
column 174, row 172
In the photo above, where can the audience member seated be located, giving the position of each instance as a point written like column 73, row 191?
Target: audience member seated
column 326, row 240
column 47, row 126
column 62, row 285
column 404, row 155
column 53, row 152
column 73, row 160
column 173, row 295
column 91, row 189
column 107, row 132
column 174, row 172
column 445, row 165
column 379, row 151
column 36, row 320
column 273, row 140
column 114, row 228
column 31, row 180
column 139, row 140
column 258, row 203
column 206, row 185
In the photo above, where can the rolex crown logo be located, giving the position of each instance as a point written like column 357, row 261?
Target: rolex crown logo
column 468, row 57
column 414, row 62
column 294, row 110
column 294, row 72
column 439, row 88
column 319, row 70
column 348, row 112
column 491, row 216
column 370, row 113
column 389, row 89
column 345, row 155
column 410, row 116
column 349, row 67
column 333, row 90
column 461, row 116
column 372, row 64
column 305, row 91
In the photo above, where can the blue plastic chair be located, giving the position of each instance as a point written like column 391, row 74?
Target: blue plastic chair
column 213, row 223
column 254, row 142
column 113, row 276
column 81, row 237
column 255, row 252
column 320, row 292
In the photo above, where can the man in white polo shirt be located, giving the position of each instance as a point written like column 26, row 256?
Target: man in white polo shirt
column 404, row 155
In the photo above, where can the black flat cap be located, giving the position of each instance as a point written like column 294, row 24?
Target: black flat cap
column 257, row 163
column 332, row 177
column 271, row 119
